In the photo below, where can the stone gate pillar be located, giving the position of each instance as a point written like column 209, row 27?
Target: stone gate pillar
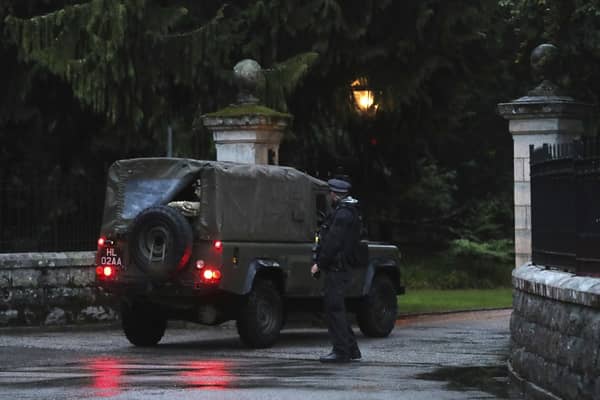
column 247, row 132
column 544, row 115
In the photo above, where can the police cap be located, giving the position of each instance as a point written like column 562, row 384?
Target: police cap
column 339, row 186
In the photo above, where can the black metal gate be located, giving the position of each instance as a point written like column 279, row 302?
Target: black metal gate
column 565, row 206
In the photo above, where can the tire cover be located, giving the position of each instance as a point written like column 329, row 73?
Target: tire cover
column 160, row 242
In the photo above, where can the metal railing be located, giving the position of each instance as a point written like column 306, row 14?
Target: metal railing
column 565, row 206
column 43, row 215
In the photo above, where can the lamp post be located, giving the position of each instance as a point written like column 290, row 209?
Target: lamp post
column 364, row 103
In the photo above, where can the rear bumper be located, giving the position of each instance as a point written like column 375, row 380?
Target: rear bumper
column 202, row 304
column 147, row 288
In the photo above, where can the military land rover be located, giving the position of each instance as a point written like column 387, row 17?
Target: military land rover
column 209, row 242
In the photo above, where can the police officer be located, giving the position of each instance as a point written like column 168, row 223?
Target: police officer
column 339, row 236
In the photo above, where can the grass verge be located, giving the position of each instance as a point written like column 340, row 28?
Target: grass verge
column 431, row 300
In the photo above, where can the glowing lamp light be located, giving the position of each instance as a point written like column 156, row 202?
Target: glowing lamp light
column 107, row 271
column 218, row 245
column 364, row 98
column 104, row 242
column 210, row 275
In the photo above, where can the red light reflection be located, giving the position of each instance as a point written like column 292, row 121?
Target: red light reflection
column 207, row 375
column 106, row 376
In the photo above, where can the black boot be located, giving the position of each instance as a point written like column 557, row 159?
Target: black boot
column 334, row 357
column 355, row 354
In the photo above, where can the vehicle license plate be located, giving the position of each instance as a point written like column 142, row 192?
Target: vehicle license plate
column 111, row 256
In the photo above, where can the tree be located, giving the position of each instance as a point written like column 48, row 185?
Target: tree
column 571, row 25
column 437, row 69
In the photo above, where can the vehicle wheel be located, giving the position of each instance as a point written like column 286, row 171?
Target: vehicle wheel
column 160, row 241
column 143, row 326
column 261, row 316
column 377, row 313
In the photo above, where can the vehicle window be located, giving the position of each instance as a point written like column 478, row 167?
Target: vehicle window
column 143, row 193
column 191, row 192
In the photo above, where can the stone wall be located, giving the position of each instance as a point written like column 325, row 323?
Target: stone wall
column 51, row 289
column 555, row 334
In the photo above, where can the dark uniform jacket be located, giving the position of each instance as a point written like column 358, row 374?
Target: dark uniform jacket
column 340, row 237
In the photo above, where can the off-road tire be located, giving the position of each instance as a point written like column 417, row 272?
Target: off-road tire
column 160, row 242
column 143, row 326
column 377, row 312
column 261, row 316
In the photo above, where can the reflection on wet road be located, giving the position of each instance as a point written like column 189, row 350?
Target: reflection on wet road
column 111, row 376
column 106, row 376
column 207, row 375
column 440, row 358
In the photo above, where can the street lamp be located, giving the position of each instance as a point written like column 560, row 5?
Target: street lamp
column 364, row 99
column 364, row 103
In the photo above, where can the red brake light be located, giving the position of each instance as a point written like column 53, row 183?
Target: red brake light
column 207, row 274
column 218, row 245
column 101, row 242
column 105, row 271
column 210, row 275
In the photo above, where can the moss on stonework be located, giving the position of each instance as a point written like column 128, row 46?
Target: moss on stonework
column 247, row 109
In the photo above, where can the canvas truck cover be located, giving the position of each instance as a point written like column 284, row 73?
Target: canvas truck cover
column 241, row 202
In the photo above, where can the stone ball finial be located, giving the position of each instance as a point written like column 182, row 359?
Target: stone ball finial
column 248, row 76
column 545, row 62
column 545, row 67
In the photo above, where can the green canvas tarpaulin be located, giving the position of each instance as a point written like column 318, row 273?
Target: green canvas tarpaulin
column 241, row 202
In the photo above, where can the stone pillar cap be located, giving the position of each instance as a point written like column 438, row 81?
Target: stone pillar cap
column 547, row 99
column 549, row 106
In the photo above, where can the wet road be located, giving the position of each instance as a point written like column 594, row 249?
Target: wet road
column 459, row 356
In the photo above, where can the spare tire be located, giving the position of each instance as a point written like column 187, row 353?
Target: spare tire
column 160, row 242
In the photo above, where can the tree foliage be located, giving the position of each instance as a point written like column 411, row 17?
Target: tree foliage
column 116, row 73
column 573, row 26
column 105, row 50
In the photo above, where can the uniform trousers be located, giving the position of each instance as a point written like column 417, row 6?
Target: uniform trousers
column 340, row 331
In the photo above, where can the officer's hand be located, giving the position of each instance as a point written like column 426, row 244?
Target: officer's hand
column 315, row 271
